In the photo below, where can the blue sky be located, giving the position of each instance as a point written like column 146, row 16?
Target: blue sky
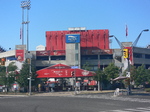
column 55, row 15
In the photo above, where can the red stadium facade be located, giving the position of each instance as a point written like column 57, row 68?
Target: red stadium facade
column 91, row 43
column 89, row 39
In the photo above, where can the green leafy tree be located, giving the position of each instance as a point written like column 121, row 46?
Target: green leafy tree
column 23, row 76
column 148, row 77
column 111, row 71
column 11, row 67
column 101, row 77
column 3, row 78
column 11, row 73
column 133, row 73
column 36, row 80
column 8, row 74
column 87, row 66
column 141, row 76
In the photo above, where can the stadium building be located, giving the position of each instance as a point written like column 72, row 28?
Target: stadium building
column 77, row 47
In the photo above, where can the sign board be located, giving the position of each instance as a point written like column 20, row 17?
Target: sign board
column 73, row 38
column 77, row 28
column 74, row 67
column 40, row 48
column 128, row 74
column 20, row 55
column 96, row 51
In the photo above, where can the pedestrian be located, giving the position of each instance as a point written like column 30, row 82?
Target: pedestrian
column 39, row 87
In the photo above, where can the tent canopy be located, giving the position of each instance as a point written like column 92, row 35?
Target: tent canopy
column 62, row 71
column 120, row 78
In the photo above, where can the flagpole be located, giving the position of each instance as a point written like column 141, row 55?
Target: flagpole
column 126, row 32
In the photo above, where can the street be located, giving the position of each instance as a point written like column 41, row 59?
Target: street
column 78, row 103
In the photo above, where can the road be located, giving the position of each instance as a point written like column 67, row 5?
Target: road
column 78, row 103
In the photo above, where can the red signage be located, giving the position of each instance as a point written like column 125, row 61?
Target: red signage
column 20, row 55
column 42, row 53
column 58, row 52
column 62, row 71
column 51, row 53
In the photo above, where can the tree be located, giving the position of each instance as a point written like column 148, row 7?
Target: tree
column 101, row 77
column 8, row 74
column 111, row 71
column 141, row 76
column 133, row 73
column 3, row 79
column 87, row 66
column 24, row 75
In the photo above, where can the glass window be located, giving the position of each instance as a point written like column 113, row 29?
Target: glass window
column 58, row 57
column 89, row 57
column 147, row 56
column 40, row 67
column 77, row 57
column 42, row 58
column 106, row 56
column 137, row 55
column 76, row 46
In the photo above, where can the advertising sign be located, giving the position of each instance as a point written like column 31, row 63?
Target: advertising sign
column 73, row 38
column 58, row 53
column 42, row 53
column 61, row 70
column 51, row 53
column 20, row 55
column 96, row 51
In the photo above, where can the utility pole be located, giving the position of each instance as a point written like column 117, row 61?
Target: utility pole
column 99, row 69
column 30, row 73
column 30, row 77
column 126, row 55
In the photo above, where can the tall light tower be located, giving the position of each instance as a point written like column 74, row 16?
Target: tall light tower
column 25, row 5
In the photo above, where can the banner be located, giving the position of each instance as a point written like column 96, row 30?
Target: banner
column 20, row 55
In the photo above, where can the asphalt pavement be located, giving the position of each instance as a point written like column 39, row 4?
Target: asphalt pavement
column 82, row 101
column 136, row 93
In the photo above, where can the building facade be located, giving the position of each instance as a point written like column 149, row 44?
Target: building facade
column 76, row 48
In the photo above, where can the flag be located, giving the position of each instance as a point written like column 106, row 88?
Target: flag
column 126, row 30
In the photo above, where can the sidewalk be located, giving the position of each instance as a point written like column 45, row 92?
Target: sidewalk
column 73, row 93
column 70, row 93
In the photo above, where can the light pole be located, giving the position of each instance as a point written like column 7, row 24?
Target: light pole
column 120, row 44
column 25, row 5
column 30, row 72
column 99, row 69
column 137, row 39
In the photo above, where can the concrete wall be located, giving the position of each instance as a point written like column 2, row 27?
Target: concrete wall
column 71, row 54
column 7, row 54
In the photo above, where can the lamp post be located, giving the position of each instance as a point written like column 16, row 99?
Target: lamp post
column 30, row 72
column 137, row 39
column 99, row 69
column 25, row 5
column 120, row 44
